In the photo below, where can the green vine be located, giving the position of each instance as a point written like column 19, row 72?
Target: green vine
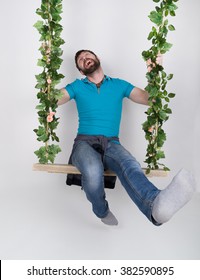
column 50, row 30
column 159, row 98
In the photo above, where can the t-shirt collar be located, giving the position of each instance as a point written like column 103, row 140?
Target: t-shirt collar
column 86, row 80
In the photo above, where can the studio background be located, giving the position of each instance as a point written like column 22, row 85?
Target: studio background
column 41, row 217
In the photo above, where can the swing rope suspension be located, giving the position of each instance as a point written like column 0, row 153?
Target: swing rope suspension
column 50, row 29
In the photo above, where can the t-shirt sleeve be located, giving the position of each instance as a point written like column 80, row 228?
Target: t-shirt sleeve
column 127, row 88
column 70, row 88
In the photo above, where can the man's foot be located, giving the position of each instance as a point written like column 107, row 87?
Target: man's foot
column 110, row 219
column 174, row 197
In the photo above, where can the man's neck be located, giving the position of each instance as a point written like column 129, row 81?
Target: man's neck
column 97, row 76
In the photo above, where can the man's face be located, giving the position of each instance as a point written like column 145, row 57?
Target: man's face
column 88, row 63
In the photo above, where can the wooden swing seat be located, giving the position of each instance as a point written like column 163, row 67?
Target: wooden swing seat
column 70, row 169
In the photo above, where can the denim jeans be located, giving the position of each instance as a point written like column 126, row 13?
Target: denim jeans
column 128, row 170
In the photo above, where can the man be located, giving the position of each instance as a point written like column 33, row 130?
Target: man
column 97, row 147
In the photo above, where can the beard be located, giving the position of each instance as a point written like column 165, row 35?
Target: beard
column 90, row 66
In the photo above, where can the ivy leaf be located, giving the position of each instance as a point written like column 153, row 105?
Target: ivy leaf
column 151, row 34
column 170, row 76
column 160, row 154
column 166, row 47
column 43, row 138
column 39, row 25
column 166, row 168
column 172, row 7
column 40, row 131
column 171, row 27
column 168, row 111
column 156, row 17
column 163, row 115
column 58, row 94
column 41, row 106
column 171, row 95
column 172, row 13
column 41, row 63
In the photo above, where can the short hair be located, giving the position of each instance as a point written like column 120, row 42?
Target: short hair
column 77, row 55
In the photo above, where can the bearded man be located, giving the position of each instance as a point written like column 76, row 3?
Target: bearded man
column 97, row 146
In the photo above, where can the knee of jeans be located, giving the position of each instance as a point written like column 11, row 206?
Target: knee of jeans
column 93, row 175
column 131, row 165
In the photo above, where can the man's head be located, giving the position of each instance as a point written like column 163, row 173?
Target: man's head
column 86, row 61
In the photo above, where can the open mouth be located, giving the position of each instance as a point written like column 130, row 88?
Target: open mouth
column 88, row 63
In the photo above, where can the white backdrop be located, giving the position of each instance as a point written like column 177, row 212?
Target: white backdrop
column 40, row 217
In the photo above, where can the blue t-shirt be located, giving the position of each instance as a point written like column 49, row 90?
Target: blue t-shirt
column 99, row 109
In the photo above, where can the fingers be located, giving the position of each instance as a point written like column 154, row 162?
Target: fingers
column 150, row 64
column 159, row 59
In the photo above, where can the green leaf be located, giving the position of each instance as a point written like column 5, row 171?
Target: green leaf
column 40, row 131
column 160, row 154
column 43, row 138
column 41, row 63
column 171, row 27
column 166, row 13
column 148, row 170
column 166, row 169
column 168, row 111
column 172, row 7
column 164, row 74
column 156, row 17
column 41, row 106
column 151, row 34
column 163, row 115
column 171, row 95
column 58, row 94
column 166, row 22
column 172, row 13
column 39, row 25
column 170, row 76
column 166, row 47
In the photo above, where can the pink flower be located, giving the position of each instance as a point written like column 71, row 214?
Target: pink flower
column 50, row 116
column 151, row 129
column 49, row 81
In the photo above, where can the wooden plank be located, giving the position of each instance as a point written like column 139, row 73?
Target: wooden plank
column 70, row 169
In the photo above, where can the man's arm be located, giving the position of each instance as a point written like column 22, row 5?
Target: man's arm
column 65, row 97
column 139, row 96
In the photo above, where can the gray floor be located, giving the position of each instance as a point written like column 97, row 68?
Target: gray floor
column 41, row 218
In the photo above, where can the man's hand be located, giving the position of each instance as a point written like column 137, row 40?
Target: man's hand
column 150, row 64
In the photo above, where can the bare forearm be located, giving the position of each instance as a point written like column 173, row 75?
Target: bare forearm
column 65, row 98
column 139, row 96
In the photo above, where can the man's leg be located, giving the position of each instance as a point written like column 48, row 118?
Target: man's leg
column 89, row 163
column 174, row 196
column 129, row 172
column 158, row 206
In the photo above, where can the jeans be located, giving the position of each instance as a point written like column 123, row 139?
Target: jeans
column 116, row 158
